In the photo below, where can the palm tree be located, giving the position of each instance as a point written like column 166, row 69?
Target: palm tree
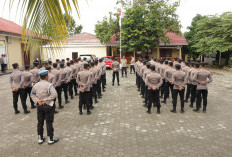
column 48, row 14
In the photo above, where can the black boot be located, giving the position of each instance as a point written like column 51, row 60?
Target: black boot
column 158, row 110
column 173, row 110
column 67, row 102
column 26, row 112
column 196, row 110
column 17, row 111
column 33, row 106
column 118, row 84
column 88, row 112
column 191, row 105
column 182, row 110
column 112, row 84
column 60, row 107
column 149, row 111
column 204, row 109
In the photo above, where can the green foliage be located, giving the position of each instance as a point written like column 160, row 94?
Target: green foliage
column 144, row 25
column 212, row 34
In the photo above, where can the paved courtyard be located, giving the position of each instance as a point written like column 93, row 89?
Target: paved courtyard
column 120, row 126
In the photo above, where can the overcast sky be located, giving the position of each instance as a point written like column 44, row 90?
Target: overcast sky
column 95, row 10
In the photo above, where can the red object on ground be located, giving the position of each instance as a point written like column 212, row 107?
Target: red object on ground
column 108, row 61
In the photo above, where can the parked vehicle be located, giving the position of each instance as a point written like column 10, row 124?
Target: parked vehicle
column 89, row 57
column 108, row 61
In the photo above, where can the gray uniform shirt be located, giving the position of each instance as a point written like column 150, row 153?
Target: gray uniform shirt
column 63, row 75
column 132, row 62
column 35, row 75
column 84, row 80
column 115, row 65
column 153, row 79
column 51, row 78
column 179, row 78
column 41, row 91
column 123, row 62
column 168, row 74
column 27, row 78
column 202, row 75
column 56, row 74
column 17, row 79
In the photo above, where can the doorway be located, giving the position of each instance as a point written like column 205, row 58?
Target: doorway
column 165, row 52
column 74, row 55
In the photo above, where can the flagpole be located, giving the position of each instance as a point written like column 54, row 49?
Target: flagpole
column 120, row 44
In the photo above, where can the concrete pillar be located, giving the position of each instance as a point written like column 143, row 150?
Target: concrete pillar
column 112, row 51
column 180, row 52
column 158, row 52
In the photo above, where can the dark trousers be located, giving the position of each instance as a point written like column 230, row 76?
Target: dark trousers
column 193, row 93
column 28, row 92
column 142, row 87
column 153, row 99
column 91, row 97
column 188, row 91
column 23, row 95
column 146, row 95
column 74, row 83
column 202, row 94
column 139, row 82
column 136, row 74
column 45, row 112
column 175, row 95
column 167, row 85
column 70, row 89
column 132, row 68
column 95, row 92
column 84, row 99
column 124, row 70
column 3, row 67
column 103, row 82
column 162, row 88
column 115, row 73
column 58, row 90
column 64, row 87
column 99, row 88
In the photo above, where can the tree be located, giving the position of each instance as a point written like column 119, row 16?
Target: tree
column 48, row 12
column 190, row 37
column 71, row 25
column 145, row 24
column 213, row 34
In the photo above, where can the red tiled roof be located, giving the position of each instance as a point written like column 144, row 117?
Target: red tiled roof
column 10, row 27
column 175, row 40
column 84, row 38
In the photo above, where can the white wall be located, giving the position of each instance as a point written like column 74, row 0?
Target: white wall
column 63, row 53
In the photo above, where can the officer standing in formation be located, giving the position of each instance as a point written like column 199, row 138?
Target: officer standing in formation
column 124, row 66
column 46, row 84
column 115, row 66
column 165, row 76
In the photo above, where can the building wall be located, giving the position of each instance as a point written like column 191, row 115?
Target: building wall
column 175, row 52
column 14, row 52
column 53, row 54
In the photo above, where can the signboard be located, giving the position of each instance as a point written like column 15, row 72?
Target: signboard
column 2, row 47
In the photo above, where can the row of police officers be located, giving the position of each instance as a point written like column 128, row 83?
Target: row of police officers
column 156, row 79
column 45, row 85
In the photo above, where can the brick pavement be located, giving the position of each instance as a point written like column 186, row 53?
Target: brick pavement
column 120, row 126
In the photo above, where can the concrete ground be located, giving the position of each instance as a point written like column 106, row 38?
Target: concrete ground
column 120, row 126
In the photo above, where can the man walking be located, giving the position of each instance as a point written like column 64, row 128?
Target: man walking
column 115, row 66
column 43, row 94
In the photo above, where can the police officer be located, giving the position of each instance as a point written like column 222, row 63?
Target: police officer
column 194, row 84
column 124, row 66
column 143, row 68
column 115, row 66
column 153, row 81
column 43, row 94
column 35, row 71
column 132, row 65
column 69, row 75
column 168, row 81
column 93, row 89
column 179, row 80
column 202, row 77
column 186, row 69
column 73, row 77
column 57, row 84
column 146, row 72
column 45, row 64
column 84, row 80
column 28, row 84
column 52, row 80
column 17, row 86
column 101, row 65
column 64, row 79
column 99, row 71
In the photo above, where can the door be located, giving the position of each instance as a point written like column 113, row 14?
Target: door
column 74, row 55
column 165, row 52
column 27, row 58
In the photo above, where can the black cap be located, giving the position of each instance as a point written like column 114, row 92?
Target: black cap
column 166, row 62
column 48, row 68
column 57, row 60
column 55, row 65
column 27, row 66
column 61, row 65
column 15, row 65
column 170, row 63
